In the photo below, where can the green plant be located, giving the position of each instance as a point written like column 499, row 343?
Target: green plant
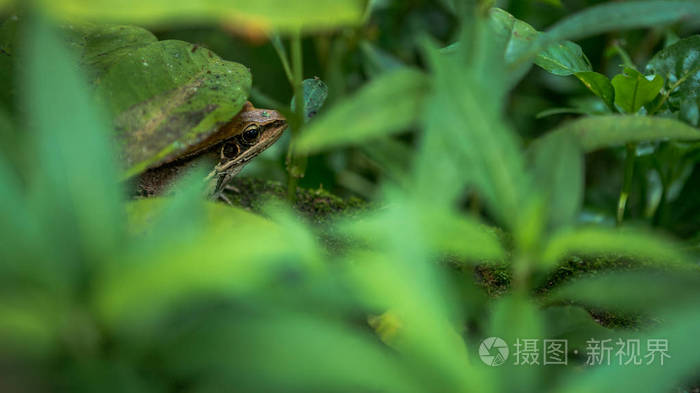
column 103, row 292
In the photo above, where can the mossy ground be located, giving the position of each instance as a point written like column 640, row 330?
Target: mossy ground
column 317, row 205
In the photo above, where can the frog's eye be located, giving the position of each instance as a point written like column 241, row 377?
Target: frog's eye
column 251, row 133
column 229, row 150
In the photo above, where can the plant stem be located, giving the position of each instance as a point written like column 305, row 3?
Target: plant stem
column 627, row 182
column 294, row 170
column 626, row 60
column 279, row 48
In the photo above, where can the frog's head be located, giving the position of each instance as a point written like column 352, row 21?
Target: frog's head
column 256, row 130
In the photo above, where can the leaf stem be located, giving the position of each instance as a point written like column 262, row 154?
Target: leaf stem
column 295, row 169
column 626, row 59
column 282, row 53
column 627, row 182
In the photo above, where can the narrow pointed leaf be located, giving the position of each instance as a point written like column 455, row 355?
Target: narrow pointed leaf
column 387, row 105
column 636, row 244
column 599, row 132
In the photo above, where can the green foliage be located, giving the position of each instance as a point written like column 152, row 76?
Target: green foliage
column 315, row 95
column 633, row 90
column 679, row 65
column 367, row 113
column 599, row 85
column 99, row 290
column 598, row 132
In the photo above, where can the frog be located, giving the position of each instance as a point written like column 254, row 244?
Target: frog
column 172, row 104
column 233, row 146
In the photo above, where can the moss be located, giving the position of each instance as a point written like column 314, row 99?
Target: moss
column 495, row 281
column 317, row 205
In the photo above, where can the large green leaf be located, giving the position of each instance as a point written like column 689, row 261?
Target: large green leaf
column 280, row 15
column 598, row 132
column 75, row 185
column 633, row 90
column 398, row 273
column 389, row 104
column 231, row 247
column 285, row 351
column 679, row 65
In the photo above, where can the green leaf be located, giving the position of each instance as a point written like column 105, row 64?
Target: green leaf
column 633, row 90
column 559, row 173
column 158, row 274
column 445, row 231
column 636, row 244
column 389, row 104
column 402, row 276
column 574, row 324
column 256, row 16
column 378, row 61
column 679, row 65
column 75, row 186
column 607, row 17
column 285, row 351
column 598, row 132
column 561, row 111
column 315, row 94
column 620, row 291
column 678, row 330
column 465, row 111
column 514, row 318
column 564, row 58
column 619, row 16
column 599, row 85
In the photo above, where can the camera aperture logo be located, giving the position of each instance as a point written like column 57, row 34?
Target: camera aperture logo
column 493, row 351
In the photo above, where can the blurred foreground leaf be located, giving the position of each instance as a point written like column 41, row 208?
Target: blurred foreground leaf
column 558, row 170
column 261, row 15
column 678, row 331
column 75, row 191
column 228, row 254
column 389, row 104
column 288, row 351
column 464, row 110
